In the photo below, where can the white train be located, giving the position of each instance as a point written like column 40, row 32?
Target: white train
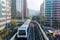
column 24, row 31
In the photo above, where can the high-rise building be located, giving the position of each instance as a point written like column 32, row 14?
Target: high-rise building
column 25, row 8
column 48, row 11
column 52, row 11
column 27, row 13
column 57, row 10
column 13, row 9
column 21, row 7
column 5, row 13
column 8, row 12
column 42, row 10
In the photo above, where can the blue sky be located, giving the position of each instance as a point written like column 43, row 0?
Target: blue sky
column 34, row 4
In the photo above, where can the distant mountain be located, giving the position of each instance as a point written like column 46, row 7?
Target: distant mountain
column 33, row 12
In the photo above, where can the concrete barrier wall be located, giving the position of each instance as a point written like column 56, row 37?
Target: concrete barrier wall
column 44, row 35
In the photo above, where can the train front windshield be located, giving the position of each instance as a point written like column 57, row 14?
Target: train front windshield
column 22, row 32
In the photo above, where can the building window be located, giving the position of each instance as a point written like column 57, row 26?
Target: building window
column 3, row 2
column 2, row 20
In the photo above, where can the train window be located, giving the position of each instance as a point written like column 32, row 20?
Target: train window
column 22, row 32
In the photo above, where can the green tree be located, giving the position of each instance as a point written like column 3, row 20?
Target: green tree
column 42, row 19
column 13, row 24
column 27, row 17
column 4, row 33
column 55, row 23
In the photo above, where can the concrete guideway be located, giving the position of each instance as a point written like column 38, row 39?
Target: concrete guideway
column 44, row 35
column 46, row 38
column 32, row 31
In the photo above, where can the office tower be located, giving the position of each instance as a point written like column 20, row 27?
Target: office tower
column 48, row 12
column 52, row 11
column 25, row 9
column 57, row 10
column 21, row 7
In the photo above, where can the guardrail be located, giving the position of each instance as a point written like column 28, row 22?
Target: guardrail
column 13, row 38
column 44, row 35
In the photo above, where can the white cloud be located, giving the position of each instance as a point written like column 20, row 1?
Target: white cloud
column 34, row 4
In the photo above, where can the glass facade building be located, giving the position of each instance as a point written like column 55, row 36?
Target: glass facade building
column 52, row 11
column 13, row 9
column 21, row 7
column 57, row 10
column 48, row 11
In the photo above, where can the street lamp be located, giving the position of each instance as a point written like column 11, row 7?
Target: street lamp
column 51, row 17
column 51, row 12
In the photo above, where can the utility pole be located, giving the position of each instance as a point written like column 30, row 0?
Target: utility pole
column 6, row 13
column 22, row 10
